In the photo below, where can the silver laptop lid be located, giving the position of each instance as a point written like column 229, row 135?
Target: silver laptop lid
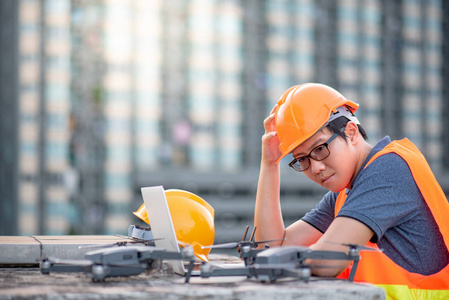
column 161, row 223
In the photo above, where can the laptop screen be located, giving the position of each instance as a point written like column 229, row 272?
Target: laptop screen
column 161, row 223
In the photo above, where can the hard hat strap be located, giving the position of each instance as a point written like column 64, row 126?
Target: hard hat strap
column 342, row 111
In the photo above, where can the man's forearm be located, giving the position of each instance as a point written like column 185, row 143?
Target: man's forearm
column 268, row 216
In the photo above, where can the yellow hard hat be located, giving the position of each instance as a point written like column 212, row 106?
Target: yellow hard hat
column 193, row 220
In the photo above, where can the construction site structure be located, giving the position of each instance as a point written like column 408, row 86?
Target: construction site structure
column 100, row 98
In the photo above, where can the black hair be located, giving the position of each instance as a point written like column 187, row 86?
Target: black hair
column 337, row 126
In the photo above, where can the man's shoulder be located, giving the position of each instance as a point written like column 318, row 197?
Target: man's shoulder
column 387, row 171
column 388, row 164
column 389, row 158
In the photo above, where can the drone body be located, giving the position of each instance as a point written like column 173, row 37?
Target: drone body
column 281, row 255
column 281, row 262
column 117, row 261
column 270, row 264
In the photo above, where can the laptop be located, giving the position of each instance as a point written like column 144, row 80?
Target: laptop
column 164, row 232
column 162, row 225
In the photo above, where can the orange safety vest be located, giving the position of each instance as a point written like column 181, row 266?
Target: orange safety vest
column 377, row 268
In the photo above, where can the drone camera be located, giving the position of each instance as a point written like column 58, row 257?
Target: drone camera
column 187, row 252
column 98, row 271
column 305, row 273
column 205, row 268
column 45, row 267
column 353, row 252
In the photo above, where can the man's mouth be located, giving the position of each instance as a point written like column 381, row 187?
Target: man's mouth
column 323, row 180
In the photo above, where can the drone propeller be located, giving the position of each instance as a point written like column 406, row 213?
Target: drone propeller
column 182, row 244
column 232, row 245
column 268, row 241
column 244, row 236
column 256, row 243
column 243, row 242
column 355, row 246
column 122, row 243
column 253, row 234
column 103, row 246
column 245, row 232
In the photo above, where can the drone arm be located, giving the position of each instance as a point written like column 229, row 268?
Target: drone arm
column 326, row 263
column 189, row 271
column 160, row 255
column 47, row 266
column 353, row 270
column 209, row 271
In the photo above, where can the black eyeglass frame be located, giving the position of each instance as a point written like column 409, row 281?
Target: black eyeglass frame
column 309, row 156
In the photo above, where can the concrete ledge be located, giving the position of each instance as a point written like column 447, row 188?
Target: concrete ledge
column 28, row 250
column 19, row 250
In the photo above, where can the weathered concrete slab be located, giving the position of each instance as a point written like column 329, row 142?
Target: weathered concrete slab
column 29, row 283
column 19, row 250
column 28, row 250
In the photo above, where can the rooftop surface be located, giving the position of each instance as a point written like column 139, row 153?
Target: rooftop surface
column 21, row 281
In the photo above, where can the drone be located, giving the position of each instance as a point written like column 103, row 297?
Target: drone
column 138, row 255
column 271, row 264
column 247, row 249
column 118, row 261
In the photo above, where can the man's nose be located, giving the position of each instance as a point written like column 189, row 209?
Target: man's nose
column 317, row 166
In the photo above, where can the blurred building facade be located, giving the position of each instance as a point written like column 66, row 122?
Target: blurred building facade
column 43, row 102
column 8, row 117
column 113, row 95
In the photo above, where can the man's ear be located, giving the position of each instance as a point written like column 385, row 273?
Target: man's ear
column 352, row 132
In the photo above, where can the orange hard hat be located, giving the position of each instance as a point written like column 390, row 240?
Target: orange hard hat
column 193, row 220
column 303, row 110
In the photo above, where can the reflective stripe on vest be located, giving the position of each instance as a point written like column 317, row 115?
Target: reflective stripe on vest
column 377, row 268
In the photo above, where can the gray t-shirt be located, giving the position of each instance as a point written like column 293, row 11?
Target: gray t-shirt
column 385, row 197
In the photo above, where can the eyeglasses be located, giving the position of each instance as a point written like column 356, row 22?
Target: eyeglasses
column 318, row 153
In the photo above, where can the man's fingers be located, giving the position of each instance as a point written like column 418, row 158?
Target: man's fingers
column 273, row 110
column 269, row 135
column 268, row 123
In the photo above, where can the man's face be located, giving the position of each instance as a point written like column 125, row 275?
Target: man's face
column 336, row 171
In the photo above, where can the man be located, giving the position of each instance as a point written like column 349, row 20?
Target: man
column 385, row 194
